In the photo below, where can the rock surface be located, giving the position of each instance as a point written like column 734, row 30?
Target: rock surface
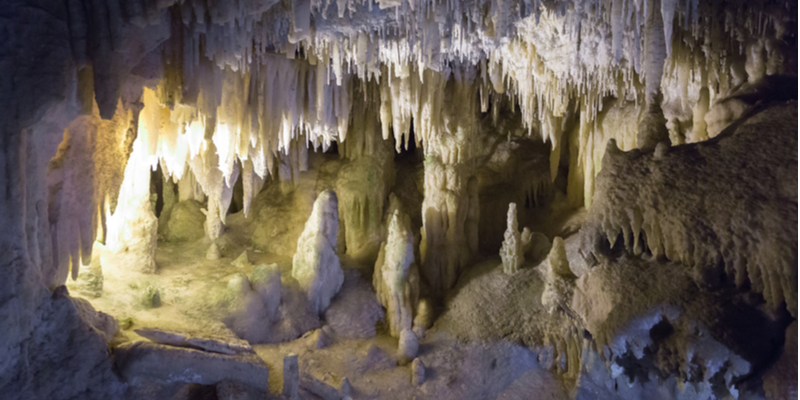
column 512, row 252
column 185, row 222
column 407, row 347
column 396, row 279
column 354, row 311
column 417, row 372
column 291, row 377
column 315, row 265
column 229, row 345
column 150, row 361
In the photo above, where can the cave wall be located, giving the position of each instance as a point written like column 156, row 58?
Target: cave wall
column 50, row 349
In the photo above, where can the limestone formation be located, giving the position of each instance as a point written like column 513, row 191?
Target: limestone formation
column 680, row 199
column 559, row 279
column 347, row 388
column 656, row 138
column 317, row 339
column 239, row 285
column 90, row 279
column 407, row 347
column 150, row 297
column 242, row 261
column 143, row 360
column 396, row 279
column 513, row 251
column 229, row 389
column 423, row 318
column 315, row 265
column 320, row 389
column 133, row 228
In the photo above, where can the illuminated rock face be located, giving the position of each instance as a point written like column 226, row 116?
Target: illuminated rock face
column 315, row 265
column 133, row 228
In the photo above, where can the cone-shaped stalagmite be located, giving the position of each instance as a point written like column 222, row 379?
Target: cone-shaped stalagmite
column 315, row 264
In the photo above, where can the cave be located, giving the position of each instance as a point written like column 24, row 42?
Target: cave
column 398, row 199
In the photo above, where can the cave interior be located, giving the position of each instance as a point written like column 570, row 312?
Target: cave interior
column 398, row 199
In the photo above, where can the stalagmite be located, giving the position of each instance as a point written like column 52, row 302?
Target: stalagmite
column 512, row 253
column 407, row 347
column 699, row 132
column 559, row 279
column 396, row 279
column 315, row 264
column 133, row 228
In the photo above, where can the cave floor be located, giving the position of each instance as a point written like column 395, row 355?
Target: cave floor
column 190, row 288
column 187, row 283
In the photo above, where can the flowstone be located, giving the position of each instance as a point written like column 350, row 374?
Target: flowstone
column 731, row 223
